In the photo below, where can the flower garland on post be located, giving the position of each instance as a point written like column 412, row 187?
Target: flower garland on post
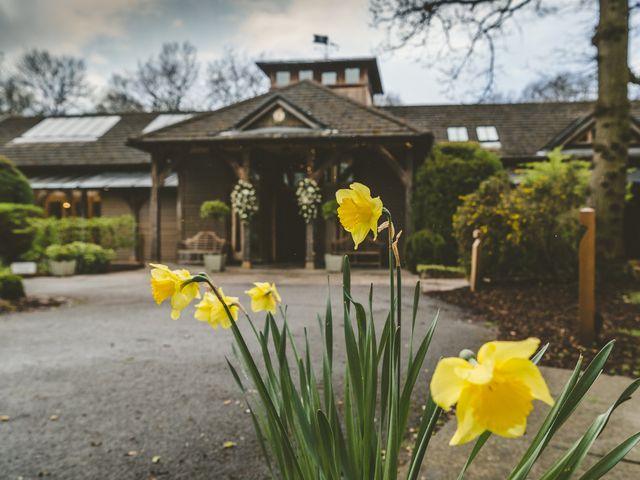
column 309, row 198
column 244, row 201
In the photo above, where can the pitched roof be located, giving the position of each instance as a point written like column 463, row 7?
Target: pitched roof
column 339, row 116
column 109, row 149
column 523, row 128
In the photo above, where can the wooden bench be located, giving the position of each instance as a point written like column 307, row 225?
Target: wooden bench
column 192, row 249
column 369, row 252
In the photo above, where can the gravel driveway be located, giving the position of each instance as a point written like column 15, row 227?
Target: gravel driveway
column 97, row 389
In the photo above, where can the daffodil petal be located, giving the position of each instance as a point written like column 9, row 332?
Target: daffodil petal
column 343, row 194
column 361, row 189
column 501, row 405
column 480, row 374
column 529, row 374
column 446, row 385
column 468, row 427
column 497, row 352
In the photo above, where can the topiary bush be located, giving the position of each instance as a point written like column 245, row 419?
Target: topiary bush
column 530, row 231
column 423, row 246
column 16, row 231
column 451, row 170
column 11, row 287
column 215, row 210
column 14, row 186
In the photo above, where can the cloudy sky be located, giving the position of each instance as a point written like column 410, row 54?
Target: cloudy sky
column 112, row 34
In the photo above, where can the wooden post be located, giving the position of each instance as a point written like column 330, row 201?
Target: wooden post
column 309, row 261
column 474, row 277
column 245, row 227
column 158, row 174
column 587, row 275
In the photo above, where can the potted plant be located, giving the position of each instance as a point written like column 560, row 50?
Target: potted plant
column 62, row 260
column 332, row 262
column 219, row 211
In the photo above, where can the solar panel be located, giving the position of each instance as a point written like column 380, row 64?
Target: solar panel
column 68, row 129
column 164, row 120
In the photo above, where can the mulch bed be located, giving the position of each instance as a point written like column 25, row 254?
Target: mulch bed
column 549, row 312
column 36, row 302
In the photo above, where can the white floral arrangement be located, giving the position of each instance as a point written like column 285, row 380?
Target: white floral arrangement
column 244, row 200
column 309, row 198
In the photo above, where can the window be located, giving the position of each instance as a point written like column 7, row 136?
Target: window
column 457, row 134
column 305, row 75
column 352, row 75
column 68, row 129
column 283, row 78
column 329, row 78
column 487, row 134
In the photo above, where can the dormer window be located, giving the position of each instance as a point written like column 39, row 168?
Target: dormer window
column 305, row 75
column 329, row 78
column 352, row 75
column 457, row 134
column 283, row 78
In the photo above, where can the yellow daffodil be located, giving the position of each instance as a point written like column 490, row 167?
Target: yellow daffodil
column 211, row 310
column 494, row 392
column 166, row 283
column 264, row 297
column 358, row 211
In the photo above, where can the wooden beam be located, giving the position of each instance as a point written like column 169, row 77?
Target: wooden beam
column 394, row 164
column 309, row 262
column 159, row 171
column 408, row 193
column 587, row 277
column 244, row 173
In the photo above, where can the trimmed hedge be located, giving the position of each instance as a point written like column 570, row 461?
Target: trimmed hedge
column 11, row 287
column 16, row 230
column 108, row 232
column 90, row 258
column 14, row 186
column 451, row 170
column 423, row 246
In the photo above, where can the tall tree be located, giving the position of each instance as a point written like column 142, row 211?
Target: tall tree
column 13, row 98
column 46, row 83
column 483, row 21
column 161, row 83
column 561, row 87
column 234, row 77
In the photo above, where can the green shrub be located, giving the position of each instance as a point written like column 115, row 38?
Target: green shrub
column 90, row 258
column 60, row 253
column 11, row 287
column 215, row 210
column 451, row 170
column 440, row 271
column 108, row 232
column 14, row 186
column 423, row 246
column 530, row 231
column 16, row 231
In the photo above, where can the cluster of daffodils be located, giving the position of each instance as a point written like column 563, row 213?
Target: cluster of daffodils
column 309, row 198
column 244, row 200
column 215, row 308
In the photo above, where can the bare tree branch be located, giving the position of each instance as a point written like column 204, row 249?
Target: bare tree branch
column 234, row 77
column 160, row 83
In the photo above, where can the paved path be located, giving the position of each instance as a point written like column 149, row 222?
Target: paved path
column 125, row 383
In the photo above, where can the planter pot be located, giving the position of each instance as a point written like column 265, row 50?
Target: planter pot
column 62, row 268
column 215, row 263
column 333, row 263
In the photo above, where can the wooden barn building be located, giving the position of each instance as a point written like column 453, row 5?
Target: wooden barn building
column 317, row 120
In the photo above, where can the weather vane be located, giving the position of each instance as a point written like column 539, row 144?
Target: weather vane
column 324, row 40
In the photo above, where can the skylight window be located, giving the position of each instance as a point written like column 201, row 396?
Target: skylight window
column 68, row 129
column 457, row 134
column 164, row 120
column 487, row 134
